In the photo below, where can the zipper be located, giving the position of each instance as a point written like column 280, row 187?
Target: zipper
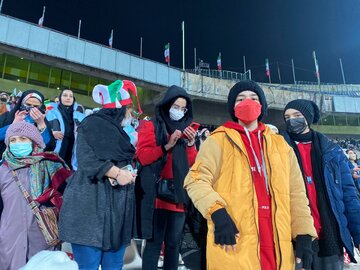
column 252, row 201
column 276, row 229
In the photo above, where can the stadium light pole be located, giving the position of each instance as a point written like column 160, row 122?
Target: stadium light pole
column 342, row 71
column 79, row 29
column 183, row 43
column 293, row 70
column 279, row 74
column 1, row 4
column 195, row 58
column 141, row 46
column 244, row 64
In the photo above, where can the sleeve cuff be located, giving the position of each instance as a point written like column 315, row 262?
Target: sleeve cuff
column 214, row 208
column 103, row 169
column 163, row 149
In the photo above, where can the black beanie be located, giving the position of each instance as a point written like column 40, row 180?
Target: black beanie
column 308, row 108
column 246, row 85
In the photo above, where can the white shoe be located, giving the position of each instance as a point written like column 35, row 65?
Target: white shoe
column 161, row 261
column 181, row 262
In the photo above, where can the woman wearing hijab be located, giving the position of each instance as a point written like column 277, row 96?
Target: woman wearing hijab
column 166, row 147
column 64, row 120
column 4, row 99
column 28, row 108
column 43, row 176
column 97, row 214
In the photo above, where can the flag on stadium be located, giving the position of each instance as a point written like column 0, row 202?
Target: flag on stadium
column 41, row 20
column 317, row 73
column 167, row 53
column 219, row 62
column 111, row 38
column 267, row 66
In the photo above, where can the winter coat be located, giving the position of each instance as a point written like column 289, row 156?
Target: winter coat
column 20, row 235
column 342, row 193
column 94, row 213
column 221, row 177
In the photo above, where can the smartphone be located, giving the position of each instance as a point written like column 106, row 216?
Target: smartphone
column 194, row 125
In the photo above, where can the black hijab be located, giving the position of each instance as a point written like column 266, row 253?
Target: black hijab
column 8, row 117
column 164, row 126
column 67, row 113
column 104, row 134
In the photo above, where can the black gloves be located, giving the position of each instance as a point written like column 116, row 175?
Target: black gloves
column 225, row 229
column 304, row 250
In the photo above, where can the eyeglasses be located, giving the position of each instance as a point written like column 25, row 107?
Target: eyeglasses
column 177, row 107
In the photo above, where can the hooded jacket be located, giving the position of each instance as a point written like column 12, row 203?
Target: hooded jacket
column 221, row 177
column 342, row 194
column 155, row 163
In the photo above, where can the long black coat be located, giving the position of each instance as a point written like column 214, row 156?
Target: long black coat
column 94, row 213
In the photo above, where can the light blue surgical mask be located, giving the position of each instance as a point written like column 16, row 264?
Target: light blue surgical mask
column 21, row 149
column 176, row 114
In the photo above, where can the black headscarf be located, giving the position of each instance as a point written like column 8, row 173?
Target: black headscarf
column 8, row 117
column 104, row 134
column 165, row 126
column 67, row 145
column 67, row 113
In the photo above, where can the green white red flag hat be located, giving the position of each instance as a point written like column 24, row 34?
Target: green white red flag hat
column 115, row 95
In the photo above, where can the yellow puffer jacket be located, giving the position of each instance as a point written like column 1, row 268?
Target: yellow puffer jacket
column 221, row 177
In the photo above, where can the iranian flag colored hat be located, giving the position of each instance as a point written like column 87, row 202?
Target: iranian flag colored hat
column 115, row 95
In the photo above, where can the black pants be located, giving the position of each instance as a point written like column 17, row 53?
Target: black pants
column 168, row 228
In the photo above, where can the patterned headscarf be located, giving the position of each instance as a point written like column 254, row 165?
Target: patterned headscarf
column 47, row 173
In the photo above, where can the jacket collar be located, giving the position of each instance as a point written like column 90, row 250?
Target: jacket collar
column 234, row 136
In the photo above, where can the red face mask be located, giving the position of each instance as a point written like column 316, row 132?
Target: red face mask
column 247, row 110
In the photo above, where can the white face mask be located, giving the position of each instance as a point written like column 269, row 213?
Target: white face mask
column 126, row 121
column 175, row 114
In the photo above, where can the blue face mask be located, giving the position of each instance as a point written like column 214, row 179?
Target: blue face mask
column 21, row 149
column 29, row 119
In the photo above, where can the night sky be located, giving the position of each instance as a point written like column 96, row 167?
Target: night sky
column 259, row 29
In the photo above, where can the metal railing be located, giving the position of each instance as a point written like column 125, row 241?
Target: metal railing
column 327, row 88
column 222, row 74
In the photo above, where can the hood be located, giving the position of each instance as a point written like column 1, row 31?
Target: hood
column 171, row 95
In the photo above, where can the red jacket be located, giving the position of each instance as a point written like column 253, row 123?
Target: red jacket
column 148, row 152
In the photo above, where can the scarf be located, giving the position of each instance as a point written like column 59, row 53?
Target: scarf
column 104, row 134
column 331, row 243
column 48, row 173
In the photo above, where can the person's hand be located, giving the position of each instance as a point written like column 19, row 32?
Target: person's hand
column 225, row 229
column 38, row 117
column 125, row 177
column 58, row 135
column 357, row 169
column 19, row 116
column 190, row 133
column 303, row 251
column 173, row 139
